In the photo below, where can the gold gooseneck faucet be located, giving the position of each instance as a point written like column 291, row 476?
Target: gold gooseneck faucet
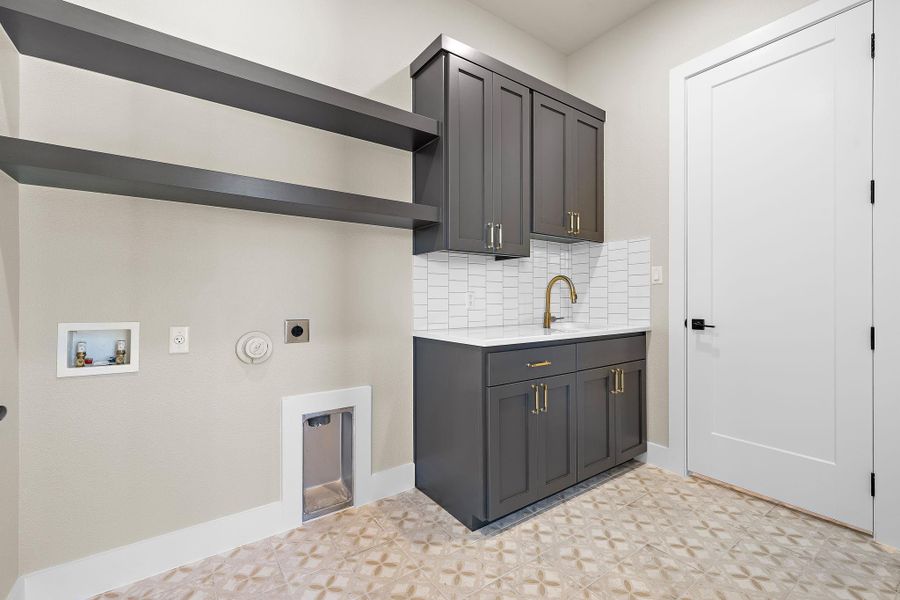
column 548, row 318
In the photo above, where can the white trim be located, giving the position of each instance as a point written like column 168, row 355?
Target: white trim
column 887, row 276
column 121, row 566
column 887, row 152
column 18, row 590
column 292, row 410
column 92, row 575
column 390, row 482
column 87, row 577
column 675, row 455
column 660, row 456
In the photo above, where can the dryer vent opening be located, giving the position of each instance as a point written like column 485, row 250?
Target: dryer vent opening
column 327, row 462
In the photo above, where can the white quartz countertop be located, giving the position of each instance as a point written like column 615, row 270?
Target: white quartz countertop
column 525, row 334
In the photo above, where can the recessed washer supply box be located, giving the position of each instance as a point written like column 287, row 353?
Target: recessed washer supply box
column 100, row 340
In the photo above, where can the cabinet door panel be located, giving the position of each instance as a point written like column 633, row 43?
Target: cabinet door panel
column 588, row 142
column 470, row 136
column 631, row 412
column 512, row 448
column 554, row 171
column 512, row 165
column 596, row 419
column 557, row 422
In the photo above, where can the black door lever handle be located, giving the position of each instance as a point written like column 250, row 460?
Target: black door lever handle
column 701, row 324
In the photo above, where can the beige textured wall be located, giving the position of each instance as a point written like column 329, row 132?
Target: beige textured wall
column 9, row 328
column 626, row 71
column 113, row 459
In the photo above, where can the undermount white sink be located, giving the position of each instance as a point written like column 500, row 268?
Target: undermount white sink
column 568, row 327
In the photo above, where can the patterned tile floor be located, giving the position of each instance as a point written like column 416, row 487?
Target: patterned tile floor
column 635, row 533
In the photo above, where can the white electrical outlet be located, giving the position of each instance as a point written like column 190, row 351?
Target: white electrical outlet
column 179, row 340
column 656, row 275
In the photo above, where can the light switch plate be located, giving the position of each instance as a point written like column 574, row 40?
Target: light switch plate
column 296, row 331
column 656, row 275
column 179, row 340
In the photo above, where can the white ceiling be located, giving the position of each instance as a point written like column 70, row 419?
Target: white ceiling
column 566, row 25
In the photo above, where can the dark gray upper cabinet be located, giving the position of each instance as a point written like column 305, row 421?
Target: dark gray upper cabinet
column 588, row 158
column 553, row 168
column 511, row 166
column 517, row 156
column 479, row 172
column 469, row 139
column 568, row 172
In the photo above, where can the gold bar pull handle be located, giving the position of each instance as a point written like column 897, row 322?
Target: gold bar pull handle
column 490, row 227
column 577, row 223
column 546, row 403
column 615, row 381
column 571, row 229
column 537, row 399
column 499, row 236
column 534, row 365
column 621, row 381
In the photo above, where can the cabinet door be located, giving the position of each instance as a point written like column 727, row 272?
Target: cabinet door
column 469, row 133
column 513, row 415
column 554, row 170
column 511, row 166
column 631, row 411
column 557, row 456
column 596, row 422
column 587, row 141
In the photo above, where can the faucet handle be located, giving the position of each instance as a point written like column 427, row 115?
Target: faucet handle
column 555, row 319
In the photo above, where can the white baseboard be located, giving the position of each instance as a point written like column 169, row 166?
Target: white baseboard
column 92, row 575
column 663, row 457
column 18, row 590
column 391, row 482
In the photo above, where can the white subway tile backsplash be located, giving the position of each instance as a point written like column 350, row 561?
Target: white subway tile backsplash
column 638, row 302
column 452, row 289
column 461, row 286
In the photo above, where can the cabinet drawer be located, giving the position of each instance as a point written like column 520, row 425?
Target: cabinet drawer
column 513, row 365
column 602, row 353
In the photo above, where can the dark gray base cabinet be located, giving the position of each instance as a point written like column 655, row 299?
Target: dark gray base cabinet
column 497, row 429
column 531, row 445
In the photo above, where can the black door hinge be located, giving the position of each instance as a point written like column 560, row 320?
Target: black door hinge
column 872, row 191
column 873, row 485
column 873, row 45
column 872, row 337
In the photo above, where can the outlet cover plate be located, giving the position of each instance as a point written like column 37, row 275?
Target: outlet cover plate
column 179, row 340
column 296, row 336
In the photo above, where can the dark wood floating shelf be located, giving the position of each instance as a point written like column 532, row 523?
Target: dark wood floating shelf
column 37, row 163
column 76, row 36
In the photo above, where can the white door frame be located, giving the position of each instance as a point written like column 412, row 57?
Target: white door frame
column 887, row 245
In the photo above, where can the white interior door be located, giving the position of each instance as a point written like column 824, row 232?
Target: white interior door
column 779, row 261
